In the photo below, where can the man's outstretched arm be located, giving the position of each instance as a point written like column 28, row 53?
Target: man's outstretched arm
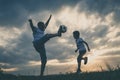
column 48, row 21
column 31, row 24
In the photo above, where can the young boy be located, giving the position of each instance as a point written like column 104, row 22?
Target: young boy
column 82, row 50
column 40, row 39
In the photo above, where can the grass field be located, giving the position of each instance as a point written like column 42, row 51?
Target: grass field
column 105, row 75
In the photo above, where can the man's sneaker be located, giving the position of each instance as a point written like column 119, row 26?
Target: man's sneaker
column 85, row 60
column 60, row 31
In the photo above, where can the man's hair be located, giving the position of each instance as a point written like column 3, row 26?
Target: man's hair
column 76, row 33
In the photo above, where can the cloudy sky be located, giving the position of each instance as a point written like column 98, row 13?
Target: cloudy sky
column 97, row 20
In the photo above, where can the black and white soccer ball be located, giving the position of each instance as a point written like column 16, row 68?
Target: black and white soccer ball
column 63, row 28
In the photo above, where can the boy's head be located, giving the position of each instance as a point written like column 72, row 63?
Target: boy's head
column 41, row 26
column 76, row 34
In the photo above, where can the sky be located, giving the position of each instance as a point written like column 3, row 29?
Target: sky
column 97, row 20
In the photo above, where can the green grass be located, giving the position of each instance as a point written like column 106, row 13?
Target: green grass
column 104, row 75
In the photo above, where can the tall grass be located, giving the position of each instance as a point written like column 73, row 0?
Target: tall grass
column 111, row 74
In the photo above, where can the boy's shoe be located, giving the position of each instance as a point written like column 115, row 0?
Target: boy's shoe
column 78, row 72
column 85, row 60
column 60, row 31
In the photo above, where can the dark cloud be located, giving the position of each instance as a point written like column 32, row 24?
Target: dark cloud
column 116, row 17
column 96, row 6
column 118, row 34
column 17, row 51
column 2, row 49
column 102, row 8
column 20, row 50
column 100, row 31
column 59, row 51
column 15, row 12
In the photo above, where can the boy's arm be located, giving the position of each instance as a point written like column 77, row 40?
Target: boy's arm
column 76, row 50
column 31, row 24
column 87, row 46
column 48, row 21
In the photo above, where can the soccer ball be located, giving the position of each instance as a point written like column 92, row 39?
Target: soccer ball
column 63, row 28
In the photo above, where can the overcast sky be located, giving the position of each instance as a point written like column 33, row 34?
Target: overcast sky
column 97, row 20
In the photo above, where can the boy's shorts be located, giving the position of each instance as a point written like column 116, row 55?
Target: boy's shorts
column 39, row 44
column 40, row 47
column 82, row 53
column 42, row 40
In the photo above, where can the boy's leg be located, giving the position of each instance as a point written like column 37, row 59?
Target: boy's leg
column 47, row 37
column 42, row 52
column 85, row 60
column 79, row 58
column 43, row 60
column 82, row 53
column 51, row 35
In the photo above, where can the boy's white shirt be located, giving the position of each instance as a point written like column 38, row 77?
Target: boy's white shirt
column 37, row 34
column 80, row 44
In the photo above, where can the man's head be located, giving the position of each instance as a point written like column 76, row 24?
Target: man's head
column 76, row 34
column 41, row 26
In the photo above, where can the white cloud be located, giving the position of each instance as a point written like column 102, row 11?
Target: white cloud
column 10, row 69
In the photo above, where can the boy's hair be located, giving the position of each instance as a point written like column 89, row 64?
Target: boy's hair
column 40, row 24
column 76, row 33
